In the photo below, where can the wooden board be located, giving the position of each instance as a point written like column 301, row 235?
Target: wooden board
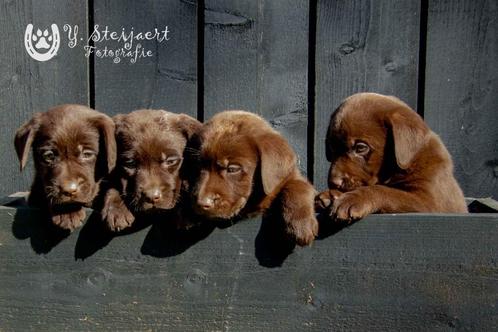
column 391, row 272
column 28, row 86
column 362, row 46
column 168, row 79
column 256, row 59
column 462, row 89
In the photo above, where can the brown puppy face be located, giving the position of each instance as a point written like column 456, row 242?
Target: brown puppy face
column 385, row 159
column 73, row 148
column 226, row 178
column 369, row 136
column 242, row 159
column 151, row 144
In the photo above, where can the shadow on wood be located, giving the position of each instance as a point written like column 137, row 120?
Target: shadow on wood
column 164, row 239
column 35, row 225
column 95, row 235
column 328, row 227
column 386, row 272
column 271, row 245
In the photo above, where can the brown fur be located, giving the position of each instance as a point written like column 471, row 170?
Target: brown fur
column 73, row 148
column 151, row 146
column 246, row 166
column 405, row 168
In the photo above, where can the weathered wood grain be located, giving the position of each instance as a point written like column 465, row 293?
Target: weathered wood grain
column 391, row 272
column 256, row 59
column 462, row 88
column 168, row 79
column 362, row 46
column 28, row 86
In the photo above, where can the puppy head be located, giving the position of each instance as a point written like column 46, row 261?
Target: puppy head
column 73, row 148
column 370, row 136
column 151, row 145
column 241, row 159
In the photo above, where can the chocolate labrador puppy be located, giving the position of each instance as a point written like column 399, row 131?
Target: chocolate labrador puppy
column 246, row 166
column 73, row 149
column 148, row 176
column 385, row 159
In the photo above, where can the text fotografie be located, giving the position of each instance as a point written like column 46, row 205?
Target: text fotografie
column 131, row 42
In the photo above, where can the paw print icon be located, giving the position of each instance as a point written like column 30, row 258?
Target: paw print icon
column 42, row 45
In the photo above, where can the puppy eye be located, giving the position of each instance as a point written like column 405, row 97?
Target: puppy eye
column 129, row 163
column 361, row 148
column 88, row 154
column 233, row 168
column 48, row 156
column 171, row 161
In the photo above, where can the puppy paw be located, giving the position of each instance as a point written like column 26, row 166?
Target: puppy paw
column 324, row 200
column 69, row 221
column 303, row 231
column 351, row 206
column 117, row 218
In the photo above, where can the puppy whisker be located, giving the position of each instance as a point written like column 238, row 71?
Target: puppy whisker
column 254, row 153
column 152, row 144
column 78, row 130
column 192, row 150
column 390, row 172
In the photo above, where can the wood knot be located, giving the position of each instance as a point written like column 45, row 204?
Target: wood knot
column 346, row 49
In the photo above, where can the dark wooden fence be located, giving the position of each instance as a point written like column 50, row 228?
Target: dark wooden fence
column 292, row 61
column 384, row 273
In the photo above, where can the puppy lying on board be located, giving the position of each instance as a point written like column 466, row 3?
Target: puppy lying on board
column 73, row 149
column 147, row 177
column 385, row 159
column 246, row 166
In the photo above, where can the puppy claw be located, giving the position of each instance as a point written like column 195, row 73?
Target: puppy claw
column 325, row 199
column 303, row 231
column 357, row 212
column 69, row 221
column 322, row 201
column 117, row 218
column 351, row 207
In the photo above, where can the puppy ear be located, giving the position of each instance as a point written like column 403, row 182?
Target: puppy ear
column 278, row 160
column 118, row 120
column 24, row 138
column 107, row 128
column 188, row 125
column 410, row 134
column 330, row 132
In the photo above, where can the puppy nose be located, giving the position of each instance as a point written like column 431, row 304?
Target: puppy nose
column 153, row 195
column 70, row 188
column 206, row 203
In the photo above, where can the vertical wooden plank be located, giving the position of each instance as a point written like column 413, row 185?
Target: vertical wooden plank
column 27, row 85
column 461, row 97
column 168, row 79
column 256, row 59
column 362, row 46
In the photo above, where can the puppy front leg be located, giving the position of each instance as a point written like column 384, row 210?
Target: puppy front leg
column 68, row 220
column 115, row 213
column 363, row 201
column 297, row 198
